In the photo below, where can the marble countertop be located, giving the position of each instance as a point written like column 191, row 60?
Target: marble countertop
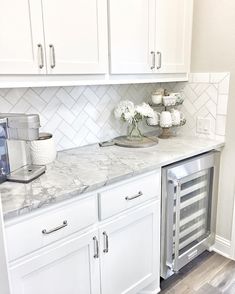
column 88, row 168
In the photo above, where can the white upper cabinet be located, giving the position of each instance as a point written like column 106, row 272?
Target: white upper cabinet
column 173, row 35
column 53, row 36
column 150, row 36
column 131, row 25
column 69, row 37
column 21, row 37
column 76, row 36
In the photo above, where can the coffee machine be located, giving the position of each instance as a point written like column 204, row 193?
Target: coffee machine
column 16, row 132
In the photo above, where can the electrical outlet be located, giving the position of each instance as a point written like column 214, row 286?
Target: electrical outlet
column 203, row 125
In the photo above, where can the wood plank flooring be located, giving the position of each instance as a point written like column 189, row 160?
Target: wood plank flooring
column 208, row 274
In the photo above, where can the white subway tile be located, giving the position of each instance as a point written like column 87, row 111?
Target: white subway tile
column 220, row 125
column 217, row 77
column 224, row 85
column 201, row 77
column 66, row 114
column 222, row 104
column 65, row 98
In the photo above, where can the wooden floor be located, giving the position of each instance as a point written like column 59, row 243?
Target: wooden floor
column 209, row 274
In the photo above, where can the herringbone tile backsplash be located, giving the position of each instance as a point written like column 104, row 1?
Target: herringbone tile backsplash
column 83, row 115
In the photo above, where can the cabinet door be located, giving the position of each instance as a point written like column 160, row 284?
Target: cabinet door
column 76, row 36
column 21, row 37
column 131, row 31
column 69, row 268
column 130, row 251
column 173, row 35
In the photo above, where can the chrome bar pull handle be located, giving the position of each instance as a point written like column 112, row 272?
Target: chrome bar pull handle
column 45, row 232
column 128, row 198
column 153, row 59
column 52, row 52
column 40, row 56
column 169, row 226
column 106, row 242
column 177, row 184
column 159, row 54
column 96, row 247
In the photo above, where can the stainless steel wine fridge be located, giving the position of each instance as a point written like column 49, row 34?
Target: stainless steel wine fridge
column 189, row 201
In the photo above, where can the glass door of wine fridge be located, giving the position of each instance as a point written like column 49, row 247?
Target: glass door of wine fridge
column 189, row 203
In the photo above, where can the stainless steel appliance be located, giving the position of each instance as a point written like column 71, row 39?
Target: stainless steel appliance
column 18, row 129
column 4, row 162
column 189, row 201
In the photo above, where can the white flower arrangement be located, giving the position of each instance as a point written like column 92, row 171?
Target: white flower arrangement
column 127, row 111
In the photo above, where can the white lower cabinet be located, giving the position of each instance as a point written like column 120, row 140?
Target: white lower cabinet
column 115, row 255
column 130, row 251
column 65, row 268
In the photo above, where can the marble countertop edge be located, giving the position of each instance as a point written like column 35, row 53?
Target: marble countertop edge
column 18, row 199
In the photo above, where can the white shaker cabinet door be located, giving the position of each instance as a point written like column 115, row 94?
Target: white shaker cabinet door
column 130, row 251
column 68, row 268
column 131, row 32
column 173, row 35
column 76, row 36
column 21, row 37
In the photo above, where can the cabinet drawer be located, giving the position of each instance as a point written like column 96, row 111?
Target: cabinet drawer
column 129, row 194
column 38, row 231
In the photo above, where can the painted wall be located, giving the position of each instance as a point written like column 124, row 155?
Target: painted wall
column 214, row 50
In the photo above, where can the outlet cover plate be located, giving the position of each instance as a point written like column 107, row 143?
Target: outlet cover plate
column 203, row 125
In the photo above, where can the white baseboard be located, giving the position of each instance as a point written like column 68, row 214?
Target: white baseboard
column 223, row 247
column 155, row 291
column 153, row 288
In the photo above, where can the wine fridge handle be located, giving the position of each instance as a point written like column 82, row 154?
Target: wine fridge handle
column 172, row 185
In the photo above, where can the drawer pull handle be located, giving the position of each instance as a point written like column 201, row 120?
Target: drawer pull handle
column 96, row 247
column 128, row 198
column 106, row 242
column 45, row 232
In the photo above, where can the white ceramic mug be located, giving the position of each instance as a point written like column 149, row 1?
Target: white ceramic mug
column 165, row 119
column 153, row 121
column 157, row 98
column 169, row 100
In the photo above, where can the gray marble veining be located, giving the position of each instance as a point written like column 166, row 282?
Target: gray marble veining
column 88, row 168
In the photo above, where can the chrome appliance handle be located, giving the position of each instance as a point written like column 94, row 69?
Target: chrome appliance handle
column 169, row 223
column 128, row 198
column 177, row 226
column 96, row 247
column 45, row 232
column 52, row 51
column 40, row 56
column 106, row 242
column 159, row 54
column 153, row 59
column 172, row 186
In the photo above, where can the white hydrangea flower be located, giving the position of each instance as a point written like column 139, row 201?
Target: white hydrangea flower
column 145, row 110
column 128, row 117
column 125, row 109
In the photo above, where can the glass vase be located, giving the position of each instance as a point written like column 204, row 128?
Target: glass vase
column 134, row 133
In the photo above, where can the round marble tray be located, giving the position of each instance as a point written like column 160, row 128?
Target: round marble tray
column 144, row 143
